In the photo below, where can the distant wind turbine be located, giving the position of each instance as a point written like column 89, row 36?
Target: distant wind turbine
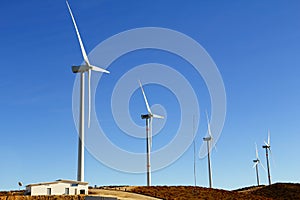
column 207, row 140
column 148, row 117
column 20, row 184
column 86, row 67
column 256, row 162
column 267, row 146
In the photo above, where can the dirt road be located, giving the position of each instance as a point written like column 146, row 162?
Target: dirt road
column 122, row 195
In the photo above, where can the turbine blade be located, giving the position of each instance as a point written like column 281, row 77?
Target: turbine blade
column 216, row 147
column 98, row 69
column 158, row 116
column 273, row 160
column 268, row 137
column 208, row 129
column 262, row 166
column 145, row 98
column 209, row 132
column 206, row 116
column 89, row 96
column 255, row 164
column 256, row 151
column 208, row 125
column 78, row 36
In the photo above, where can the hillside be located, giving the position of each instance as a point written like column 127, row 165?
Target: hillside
column 276, row 191
column 193, row 193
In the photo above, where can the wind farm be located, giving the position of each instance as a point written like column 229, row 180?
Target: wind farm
column 106, row 131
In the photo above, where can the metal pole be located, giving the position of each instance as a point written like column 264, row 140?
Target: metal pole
column 209, row 167
column 257, row 177
column 267, row 156
column 195, row 177
column 148, row 154
column 80, row 172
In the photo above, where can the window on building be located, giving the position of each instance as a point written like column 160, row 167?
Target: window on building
column 82, row 191
column 48, row 191
column 67, row 191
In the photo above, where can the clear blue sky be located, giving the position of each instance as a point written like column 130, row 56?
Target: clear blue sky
column 255, row 45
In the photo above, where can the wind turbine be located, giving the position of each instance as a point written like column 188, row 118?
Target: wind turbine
column 267, row 146
column 256, row 162
column 207, row 140
column 86, row 67
column 20, row 184
column 148, row 117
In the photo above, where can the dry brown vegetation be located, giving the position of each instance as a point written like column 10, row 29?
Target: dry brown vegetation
column 279, row 191
column 190, row 192
column 276, row 191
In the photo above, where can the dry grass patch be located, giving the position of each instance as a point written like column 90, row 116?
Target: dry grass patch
column 193, row 193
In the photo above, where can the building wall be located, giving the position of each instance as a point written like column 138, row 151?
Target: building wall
column 57, row 189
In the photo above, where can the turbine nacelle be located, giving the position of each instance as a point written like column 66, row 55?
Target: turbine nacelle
column 207, row 138
column 80, row 69
column 86, row 67
column 147, row 116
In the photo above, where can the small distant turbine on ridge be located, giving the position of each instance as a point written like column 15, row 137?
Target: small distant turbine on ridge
column 267, row 146
column 87, row 67
column 207, row 140
column 256, row 162
column 20, row 184
column 148, row 117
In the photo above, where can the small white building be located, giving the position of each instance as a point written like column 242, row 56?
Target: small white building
column 59, row 187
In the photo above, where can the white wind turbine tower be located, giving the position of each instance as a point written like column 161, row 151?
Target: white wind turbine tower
column 86, row 67
column 208, row 139
column 267, row 146
column 148, row 117
column 256, row 162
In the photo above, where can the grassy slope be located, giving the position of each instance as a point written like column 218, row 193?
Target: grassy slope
column 279, row 191
column 190, row 192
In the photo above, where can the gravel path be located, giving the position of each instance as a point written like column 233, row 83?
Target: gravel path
column 122, row 195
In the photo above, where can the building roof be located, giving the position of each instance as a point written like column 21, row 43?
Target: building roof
column 59, row 181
